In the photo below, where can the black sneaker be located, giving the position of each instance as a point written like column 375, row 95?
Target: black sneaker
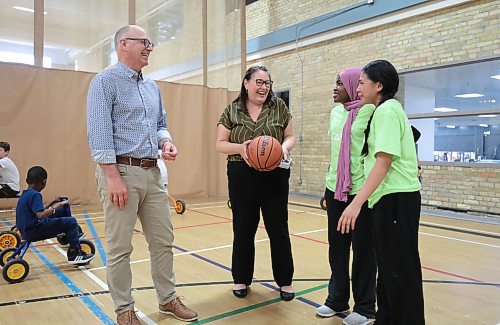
column 63, row 240
column 78, row 258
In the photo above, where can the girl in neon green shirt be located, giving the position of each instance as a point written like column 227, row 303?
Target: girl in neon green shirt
column 344, row 179
column 392, row 189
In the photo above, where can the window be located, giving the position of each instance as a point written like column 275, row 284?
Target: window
column 285, row 95
column 457, row 110
column 234, row 5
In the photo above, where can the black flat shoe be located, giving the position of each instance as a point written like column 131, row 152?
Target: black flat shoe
column 287, row 296
column 240, row 293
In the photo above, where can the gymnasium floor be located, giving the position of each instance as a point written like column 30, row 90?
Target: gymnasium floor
column 460, row 262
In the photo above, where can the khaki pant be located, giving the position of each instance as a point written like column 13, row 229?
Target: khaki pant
column 148, row 200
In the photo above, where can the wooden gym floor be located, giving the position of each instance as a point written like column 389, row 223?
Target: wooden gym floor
column 460, row 262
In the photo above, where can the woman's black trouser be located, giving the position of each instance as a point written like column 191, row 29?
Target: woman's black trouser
column 400, row 296
column 251, row 192
column 364, row 265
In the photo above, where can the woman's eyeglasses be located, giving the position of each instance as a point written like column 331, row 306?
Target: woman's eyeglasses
column 261, row 82
column 147, row 43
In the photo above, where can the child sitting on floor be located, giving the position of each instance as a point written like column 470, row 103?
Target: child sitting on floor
column 37, row 222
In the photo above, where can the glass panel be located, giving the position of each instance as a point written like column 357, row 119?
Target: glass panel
column 469, row 87
column 462, row 139
column 224, row 58
column 16, row 31
column 78, row 34
column 175, row 28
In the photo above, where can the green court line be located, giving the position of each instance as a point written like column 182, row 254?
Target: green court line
column 260, row 304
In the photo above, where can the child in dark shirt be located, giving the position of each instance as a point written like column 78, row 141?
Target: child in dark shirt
column 37, row 221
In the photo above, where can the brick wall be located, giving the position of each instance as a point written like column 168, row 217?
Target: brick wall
column 266, row 16
column 461, row 186
column 465, row 32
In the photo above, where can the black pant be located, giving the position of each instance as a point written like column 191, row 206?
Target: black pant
column 251, row 191
column 399, row 289
column 364, row 265
column 6, row 191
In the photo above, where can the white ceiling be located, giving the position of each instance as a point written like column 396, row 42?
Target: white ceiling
column 448, row 82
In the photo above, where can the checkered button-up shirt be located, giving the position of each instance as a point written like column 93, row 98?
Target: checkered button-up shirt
column 125, row 115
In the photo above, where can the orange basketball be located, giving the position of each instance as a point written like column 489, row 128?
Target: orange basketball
column 264, row 153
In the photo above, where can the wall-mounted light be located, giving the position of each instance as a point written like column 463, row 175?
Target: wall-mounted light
column 26, row 9
column 471, row 95
column 444, row 109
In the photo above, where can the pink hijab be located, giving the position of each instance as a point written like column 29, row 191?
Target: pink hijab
column 350, row 79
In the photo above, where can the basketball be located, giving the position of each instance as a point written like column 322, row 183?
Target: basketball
column 264, row 153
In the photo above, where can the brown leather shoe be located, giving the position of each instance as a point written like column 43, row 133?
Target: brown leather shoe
column 128, row 317
column 178, row 310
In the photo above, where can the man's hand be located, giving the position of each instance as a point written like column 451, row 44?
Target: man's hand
column 117, row 191
column 168, row 151
column 116, row 187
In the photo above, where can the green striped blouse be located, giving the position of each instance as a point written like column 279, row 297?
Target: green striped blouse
column 272, row 120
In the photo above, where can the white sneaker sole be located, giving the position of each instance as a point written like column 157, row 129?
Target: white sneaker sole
column 368, row 322
column 331, row 314
column 81, row 260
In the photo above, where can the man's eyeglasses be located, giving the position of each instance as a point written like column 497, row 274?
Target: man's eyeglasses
column 261, row 82
column 147, row 43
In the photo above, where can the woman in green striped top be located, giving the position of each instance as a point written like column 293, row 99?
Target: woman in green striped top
column 256, row 111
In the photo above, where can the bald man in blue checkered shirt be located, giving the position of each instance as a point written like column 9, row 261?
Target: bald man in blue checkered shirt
column 126, row 126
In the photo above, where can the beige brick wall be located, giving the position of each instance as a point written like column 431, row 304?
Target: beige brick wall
column 223, row 36
column 465, row 32
column 266, row 16
column 460, row 186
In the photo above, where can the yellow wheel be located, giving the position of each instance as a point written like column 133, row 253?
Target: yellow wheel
column 5, row 254
column 16, row 230
column 180, row 206
column 8, row 239
column 87, row 246
column 322, row 203
column 16, row 271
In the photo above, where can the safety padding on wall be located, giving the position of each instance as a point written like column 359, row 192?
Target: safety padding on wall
column 43, row 117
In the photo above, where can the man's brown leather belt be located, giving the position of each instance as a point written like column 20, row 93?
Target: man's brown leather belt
column 144, row 163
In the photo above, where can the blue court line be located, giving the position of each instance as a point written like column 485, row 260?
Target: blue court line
column 307, row 301
column 96, row 238
column 105, row 319
column 203, row 258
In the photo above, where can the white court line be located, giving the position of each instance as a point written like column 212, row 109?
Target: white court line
column 299, row 233
column 184, row 253
column 100, row 283
column 460, row 228
column 222, row 202
column 209, row 207
column 457, row 239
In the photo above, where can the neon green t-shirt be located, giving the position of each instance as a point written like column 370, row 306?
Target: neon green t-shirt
column 390, row 132
column 338, row 117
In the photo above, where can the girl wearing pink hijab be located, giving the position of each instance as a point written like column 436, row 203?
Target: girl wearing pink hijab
column 344, row 179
